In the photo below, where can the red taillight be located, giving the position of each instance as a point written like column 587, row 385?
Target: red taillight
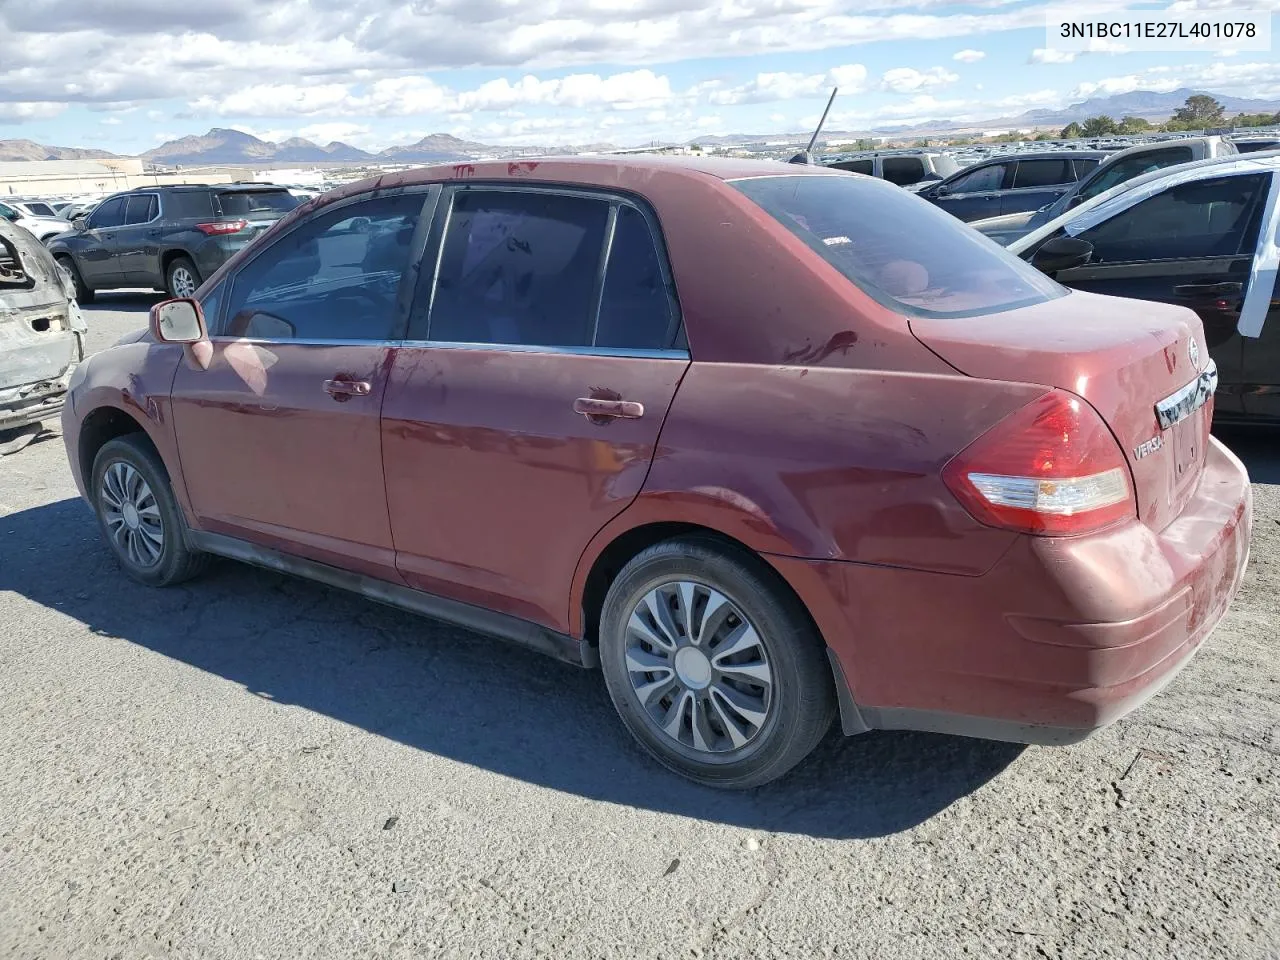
column 221, row 227
column 1051, row 468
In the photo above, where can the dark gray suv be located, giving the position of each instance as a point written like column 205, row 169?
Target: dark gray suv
column 168, row 238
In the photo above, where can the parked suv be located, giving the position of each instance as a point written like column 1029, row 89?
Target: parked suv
column 170, row 238
column 1012, row 183
column 764, row 443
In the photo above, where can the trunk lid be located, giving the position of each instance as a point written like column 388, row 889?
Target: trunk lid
column 1123, row 356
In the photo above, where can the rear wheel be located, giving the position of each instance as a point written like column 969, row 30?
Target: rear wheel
column 182, row 279
column 83, row 293
column 139, row 518
column 713, row 665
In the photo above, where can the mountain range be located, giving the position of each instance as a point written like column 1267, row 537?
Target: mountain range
column 221, row 145
column 225, row 146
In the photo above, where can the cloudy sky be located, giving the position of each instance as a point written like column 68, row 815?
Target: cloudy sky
column 125, row 75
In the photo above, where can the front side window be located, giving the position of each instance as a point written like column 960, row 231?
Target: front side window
column 109, row 214
column 1129, row 167
column 519, row 268
column 900, row 250
column 990, row 177
column 1043, row 173
column 1204, row 218
column 41, row 210
column 335, row 277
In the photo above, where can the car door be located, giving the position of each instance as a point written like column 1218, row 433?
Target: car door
column 279, row 437
column 96, row 251
column 1191, row 244
column 523, row 414
column 1262, row 359
column 974, row 193
column 136, row 240
column 1037, row 183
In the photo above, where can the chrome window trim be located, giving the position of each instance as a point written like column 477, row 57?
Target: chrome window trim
column 620, row 352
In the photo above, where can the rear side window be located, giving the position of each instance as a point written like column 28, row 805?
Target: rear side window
column 1129, row 167
column 255, row 203
column 519, row 268
column 1085, row 166
column 635, row 305
column 900, row 250
column 903, row 170
column 41, row 210
column 1206, row 218
column 189, row 205
column 140, row 209
column 1043, row 173
column 335, row 277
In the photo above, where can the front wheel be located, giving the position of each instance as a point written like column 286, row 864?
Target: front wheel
column 83, row 293
column 713, row 665
column 139, row 518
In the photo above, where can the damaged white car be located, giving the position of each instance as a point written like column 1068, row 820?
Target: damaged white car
column 41, row 336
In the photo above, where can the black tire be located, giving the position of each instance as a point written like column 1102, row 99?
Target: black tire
column 174, row 273
column 176, row 561
column 83, row 293
column 801, row 704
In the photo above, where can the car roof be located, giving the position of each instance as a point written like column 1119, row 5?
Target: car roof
column 1229, row 165
column 605, row 170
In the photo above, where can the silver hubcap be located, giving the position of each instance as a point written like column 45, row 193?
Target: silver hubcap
column 698, row 668
column 132, row 515
column 184, row 284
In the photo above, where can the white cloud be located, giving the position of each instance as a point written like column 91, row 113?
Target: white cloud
column 111, row 121
column 773, row 87
column 909, row 80
column 968, row 56
column 20, row 111
column 1044, row 55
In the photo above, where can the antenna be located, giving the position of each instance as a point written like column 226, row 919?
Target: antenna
column 814, row 138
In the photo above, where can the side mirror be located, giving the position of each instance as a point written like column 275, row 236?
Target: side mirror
column 178, row 321
column 941, row 190
column 1062, row 253
column 80, row 224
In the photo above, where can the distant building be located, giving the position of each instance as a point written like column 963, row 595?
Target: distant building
column 44, row 178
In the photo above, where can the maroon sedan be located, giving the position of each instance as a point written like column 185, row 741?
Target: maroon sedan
column 765, row 443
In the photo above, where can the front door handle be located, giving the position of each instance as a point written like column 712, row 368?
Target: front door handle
column 1226, row 289
column 346, row 389
column 594, row 409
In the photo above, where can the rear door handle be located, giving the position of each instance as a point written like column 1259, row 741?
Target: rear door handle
column 346, row 389
column 591, row 408
column 1226, row 289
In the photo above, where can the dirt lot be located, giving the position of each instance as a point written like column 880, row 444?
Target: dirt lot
column 252, row 766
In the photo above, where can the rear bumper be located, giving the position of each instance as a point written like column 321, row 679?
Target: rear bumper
column 1060, row 638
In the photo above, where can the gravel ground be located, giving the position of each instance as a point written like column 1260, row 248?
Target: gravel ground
column 253, row 766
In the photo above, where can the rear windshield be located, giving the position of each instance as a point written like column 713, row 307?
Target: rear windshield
column 900, row 250
column 255, row 203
